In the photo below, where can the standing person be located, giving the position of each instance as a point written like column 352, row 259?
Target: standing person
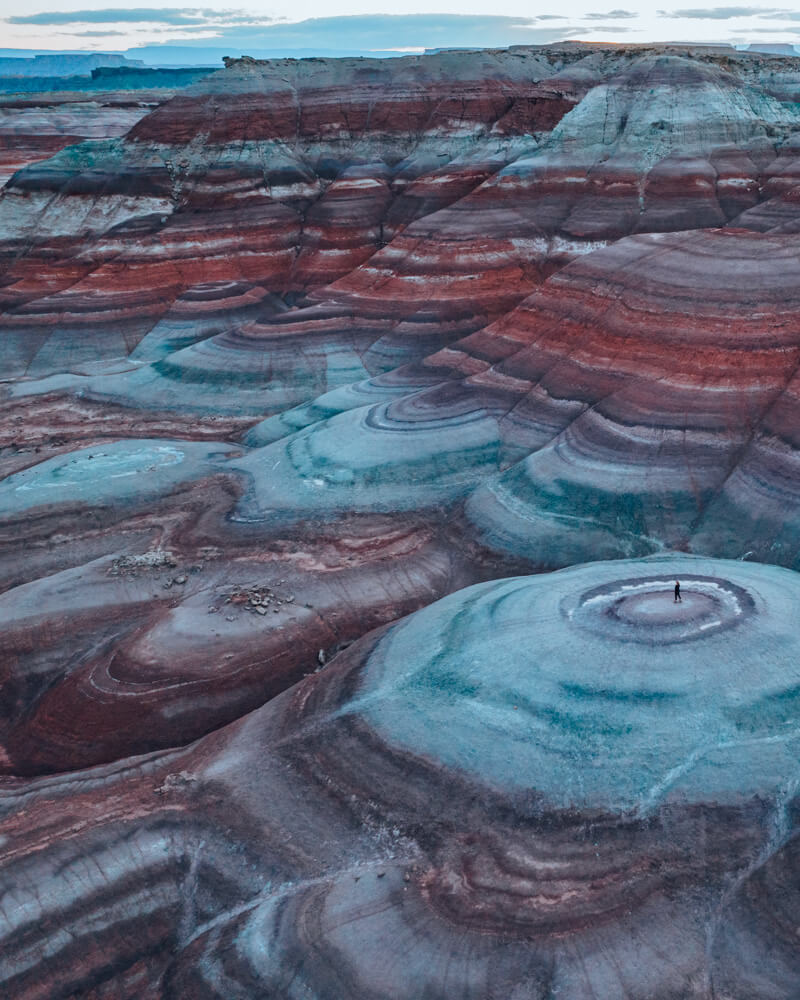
column 678, row 591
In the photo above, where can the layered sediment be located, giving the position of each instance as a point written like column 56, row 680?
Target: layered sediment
column 493, row 858
column 358, row 418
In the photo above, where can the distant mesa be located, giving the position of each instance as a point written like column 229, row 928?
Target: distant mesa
column 66, row 64
column 773, row 48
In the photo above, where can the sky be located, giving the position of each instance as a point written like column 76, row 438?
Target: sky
column 114, row 25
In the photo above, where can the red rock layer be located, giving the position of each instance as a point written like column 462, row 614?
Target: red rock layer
column 33, row 129
column 331, row 100
column 649, row 409
column 243, row 616
column 638, row 399
column 306, row 173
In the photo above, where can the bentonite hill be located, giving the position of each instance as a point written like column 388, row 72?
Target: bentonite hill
column 357, row 419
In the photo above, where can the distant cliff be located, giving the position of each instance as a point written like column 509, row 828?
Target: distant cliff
column 69, row 64
column 104, row 78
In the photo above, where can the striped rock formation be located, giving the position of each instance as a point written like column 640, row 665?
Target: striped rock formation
column 34, row 127
column 403, row 206
column 389, row 829
column 642, row 398
column 311, row 349
column 624, row 408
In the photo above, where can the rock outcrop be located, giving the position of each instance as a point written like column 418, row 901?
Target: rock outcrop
column 33, row 128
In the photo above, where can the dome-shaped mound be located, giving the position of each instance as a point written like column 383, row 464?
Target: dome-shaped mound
column 581, row 786
column 567, row 785
column 596, row 687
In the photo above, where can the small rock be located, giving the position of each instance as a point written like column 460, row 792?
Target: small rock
column 260, row 610
column 174, row 782
column 180, row 579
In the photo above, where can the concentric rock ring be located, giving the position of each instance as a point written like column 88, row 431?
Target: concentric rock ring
column 594, row 687
column 643, row 609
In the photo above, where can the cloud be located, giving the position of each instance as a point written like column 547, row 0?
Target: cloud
column 246, row 31
column 721, row 13
column 152, row 15
column 386, row 32
column 237, row 31
column 608, row 29
column 612, row 15
column 91, row 34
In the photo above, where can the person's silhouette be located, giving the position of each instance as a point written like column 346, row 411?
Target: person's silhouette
column 678, row 591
